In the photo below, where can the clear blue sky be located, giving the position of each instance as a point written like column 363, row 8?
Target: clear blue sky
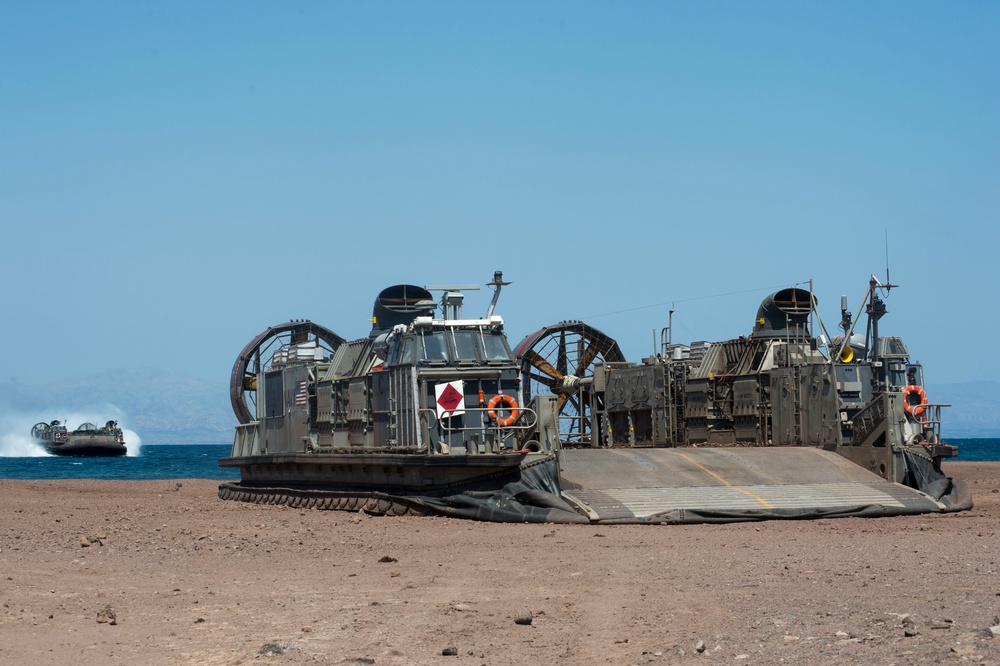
column 177, row 176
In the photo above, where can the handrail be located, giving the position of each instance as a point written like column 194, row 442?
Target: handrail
column 528, row 415
column 930, row 420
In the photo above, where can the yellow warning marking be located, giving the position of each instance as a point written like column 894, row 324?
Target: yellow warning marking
column 708, row 471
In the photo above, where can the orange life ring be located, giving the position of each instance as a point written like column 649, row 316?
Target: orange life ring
column 505, row 399
column 914, row 408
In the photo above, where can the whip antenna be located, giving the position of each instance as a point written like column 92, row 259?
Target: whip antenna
column 887, row 281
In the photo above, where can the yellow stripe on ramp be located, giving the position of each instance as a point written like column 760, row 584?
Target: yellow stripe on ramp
column 719, row 478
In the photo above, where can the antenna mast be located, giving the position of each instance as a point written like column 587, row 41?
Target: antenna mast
column 888, row 283
column 498, row 284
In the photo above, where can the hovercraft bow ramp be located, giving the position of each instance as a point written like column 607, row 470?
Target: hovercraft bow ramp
column 706, row 485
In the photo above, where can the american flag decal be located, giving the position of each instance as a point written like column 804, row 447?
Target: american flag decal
column 301, row 396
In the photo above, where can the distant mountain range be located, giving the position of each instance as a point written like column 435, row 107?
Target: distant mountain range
column 172, row 408
column 972, row 412
column 161, row 407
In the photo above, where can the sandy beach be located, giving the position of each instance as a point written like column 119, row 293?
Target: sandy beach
column 163, row 572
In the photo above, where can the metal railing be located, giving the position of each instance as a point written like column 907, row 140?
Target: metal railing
column 527, row 418
column 246, row 441
column 930, row 421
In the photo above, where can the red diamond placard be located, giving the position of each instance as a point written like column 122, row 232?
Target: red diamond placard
column 450, row 399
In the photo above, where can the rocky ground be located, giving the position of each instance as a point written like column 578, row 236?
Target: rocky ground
column 163, row 572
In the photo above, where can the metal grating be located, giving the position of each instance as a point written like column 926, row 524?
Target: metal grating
column 645, row 502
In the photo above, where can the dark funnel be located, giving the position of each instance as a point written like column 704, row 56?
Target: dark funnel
column 784, row 314
column 400, row 304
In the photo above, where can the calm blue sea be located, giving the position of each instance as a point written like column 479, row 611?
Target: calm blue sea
column 201, row 461
column 969, row 450
column 190, row 461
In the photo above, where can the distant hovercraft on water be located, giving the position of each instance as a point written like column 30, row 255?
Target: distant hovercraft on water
column 87, row 440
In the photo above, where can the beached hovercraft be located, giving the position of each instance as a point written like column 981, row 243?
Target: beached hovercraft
column 438, row 415
column 88, row 440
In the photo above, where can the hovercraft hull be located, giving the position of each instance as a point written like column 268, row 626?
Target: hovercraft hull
column 88, row 447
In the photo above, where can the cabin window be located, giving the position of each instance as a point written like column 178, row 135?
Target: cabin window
column 892, row 347
column 408, row 351
column 465, row 344
column 496, row 347
column 435, row 346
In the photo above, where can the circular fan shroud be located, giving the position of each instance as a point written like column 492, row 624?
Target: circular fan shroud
column 257, row 356
column 548, row 355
